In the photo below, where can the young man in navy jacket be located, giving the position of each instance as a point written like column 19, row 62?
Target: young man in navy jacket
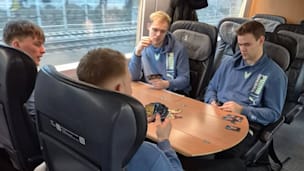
column 249, row 83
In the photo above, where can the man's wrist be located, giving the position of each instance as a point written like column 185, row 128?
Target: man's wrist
column 164, row 145
column 162, row 139
column 167, row 84
column 136, row 54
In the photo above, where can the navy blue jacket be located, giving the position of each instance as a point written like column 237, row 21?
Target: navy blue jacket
column 150, row 157
column 260, row 88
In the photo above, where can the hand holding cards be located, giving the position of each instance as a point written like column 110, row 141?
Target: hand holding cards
column 153, row 108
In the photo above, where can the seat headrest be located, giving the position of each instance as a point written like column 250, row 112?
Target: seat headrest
column 278, row 53
column 277, row 18
column 227, row 32
column 198, row 45
column 300, row 42
column 17, row 134
column 200, row 37
column 111, row 125
column 269, row 24
column 238, row 20
column 17, row 72
column 283, row 40
column 297, row 28
column 195, row 26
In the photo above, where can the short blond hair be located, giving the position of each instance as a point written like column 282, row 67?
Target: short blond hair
column 160, row 16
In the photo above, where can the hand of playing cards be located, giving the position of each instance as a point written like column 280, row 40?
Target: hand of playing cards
column 153, row 108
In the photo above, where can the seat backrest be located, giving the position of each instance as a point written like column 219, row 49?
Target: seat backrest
column 296, row 71
column 227, row 44
column 17, row 132
column 200, row 41
column 82, row 127
column 280, row 48
column 269, row 21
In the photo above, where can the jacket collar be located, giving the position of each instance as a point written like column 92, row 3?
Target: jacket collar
column 239, row 63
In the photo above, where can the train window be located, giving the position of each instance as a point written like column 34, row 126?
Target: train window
column 219, row 9
column 72, row 27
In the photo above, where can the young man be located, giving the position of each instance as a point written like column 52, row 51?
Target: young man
column 160, row 59
column 250, row 83
column 29, row 38
column 26, row 36
column 108, row 69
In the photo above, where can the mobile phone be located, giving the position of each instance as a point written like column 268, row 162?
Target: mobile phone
column 154, row 76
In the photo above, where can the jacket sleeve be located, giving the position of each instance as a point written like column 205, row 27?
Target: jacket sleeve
column 273, row 101
column 30, row 106
column 182, row 79
column 135, row 67
column 211, row 92
column 171, row 155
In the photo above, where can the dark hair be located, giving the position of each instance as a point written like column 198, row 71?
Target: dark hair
column 253, row 27
column 21, row 29
column 100, row 65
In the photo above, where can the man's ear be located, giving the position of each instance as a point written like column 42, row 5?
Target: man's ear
column 15, row 44
column 117, row 87
column 262, row 39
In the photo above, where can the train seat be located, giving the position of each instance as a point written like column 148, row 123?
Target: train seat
column 82, row 127
column 295, row 95
column 18, row 135
column 200, row 41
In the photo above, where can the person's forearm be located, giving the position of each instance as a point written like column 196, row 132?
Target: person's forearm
column 135, row 67
column 171, row 154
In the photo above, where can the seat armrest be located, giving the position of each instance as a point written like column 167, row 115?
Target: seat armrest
column 301, row 99
column 270, row 129
column 263, row 142
column 41, row 167
column 296, row 110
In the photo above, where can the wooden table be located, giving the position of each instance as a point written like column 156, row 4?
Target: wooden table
column 200, row 131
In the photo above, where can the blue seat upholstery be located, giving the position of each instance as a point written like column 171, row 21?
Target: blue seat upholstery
column 82, row 127
column 200, row 41
column 17, row 132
